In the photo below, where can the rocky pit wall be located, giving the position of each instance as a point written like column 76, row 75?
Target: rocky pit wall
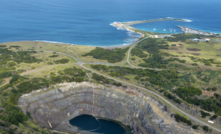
column 54, row 108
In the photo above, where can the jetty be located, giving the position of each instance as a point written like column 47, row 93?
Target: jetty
column 193, row 31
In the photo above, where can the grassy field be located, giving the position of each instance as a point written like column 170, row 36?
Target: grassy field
column 207, row 50
column 81, row 50
column 46, row 59
column 58, row 47
column 43, row 69
column 199, row 50
column 45, row 72
column 137, row 60
column 37, row 45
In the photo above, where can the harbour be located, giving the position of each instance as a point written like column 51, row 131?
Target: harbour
column 193, row 31
column 155, row 33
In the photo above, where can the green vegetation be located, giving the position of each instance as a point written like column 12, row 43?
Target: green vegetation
column 54, row 55
column 183, row 37
column 68, row 75
column 104, row 80
column 188, row 92
column 2, row 45
column 167, row 79
column 11, row 115
column 9, row 59
column 156, row 58
column 213, row 117
column 172, row 97
column 204, row 114
column 5, row 75
column 20, row 85
column 152, row 46
column 182, row 79
column 195, row 64
column 205, row 128
column 62, row 61
column 195, row 126
column 163, row 78
column 15, row 78
column 138, row 52
column 207, row 62
column 180, row 118
column 112, row 56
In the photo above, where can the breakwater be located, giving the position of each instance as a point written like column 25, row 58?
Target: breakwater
column 155, row 20
column 193, row 31
column 128, row 25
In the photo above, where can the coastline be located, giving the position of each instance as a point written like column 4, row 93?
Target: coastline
column 127, row 26
column 62, row 43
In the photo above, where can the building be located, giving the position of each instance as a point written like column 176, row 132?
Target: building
column 196, row 39
column 210, row 121
column 201, row 40
column 207, row 39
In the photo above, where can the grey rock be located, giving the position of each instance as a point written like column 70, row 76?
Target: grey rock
column 54, row 108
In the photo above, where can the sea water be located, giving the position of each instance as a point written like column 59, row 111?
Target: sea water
column 87, row 22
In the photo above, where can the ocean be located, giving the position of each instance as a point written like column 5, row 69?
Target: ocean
column 87, row 22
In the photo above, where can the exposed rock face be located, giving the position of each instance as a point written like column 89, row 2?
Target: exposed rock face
column 54, row 108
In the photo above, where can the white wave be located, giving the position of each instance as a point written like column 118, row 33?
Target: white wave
column 55, row 42
column 113, row 45
column 187, row 20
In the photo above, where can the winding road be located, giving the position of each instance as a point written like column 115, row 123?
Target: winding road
column 161, row 97
column 152, row 92
column 132, row 46
column 81, row 64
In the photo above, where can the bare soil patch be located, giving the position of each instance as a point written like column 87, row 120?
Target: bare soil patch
column 207, row 93
column 195, row 53
column 174, row 48
column 191, row 42
column 193, row 49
